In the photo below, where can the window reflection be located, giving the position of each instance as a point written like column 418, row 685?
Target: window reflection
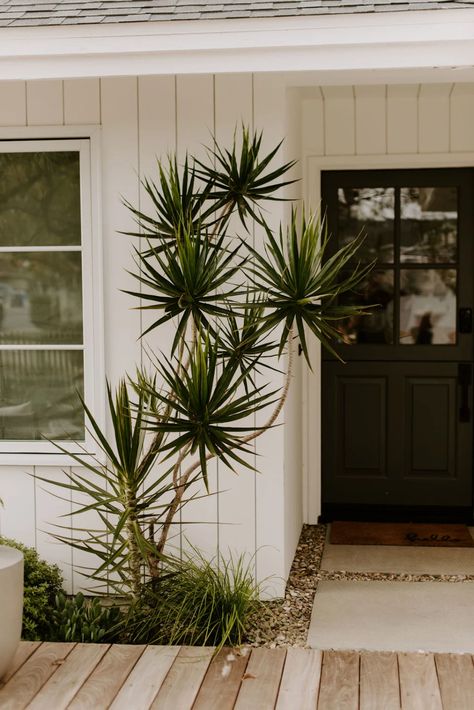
column 428, row 306
column 38, row 395
column 377, row 327
column 367, row 210
column 40, row 199
column 40, row 297
column 428, row 224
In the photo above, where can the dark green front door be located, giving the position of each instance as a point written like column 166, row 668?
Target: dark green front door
column 397, row 417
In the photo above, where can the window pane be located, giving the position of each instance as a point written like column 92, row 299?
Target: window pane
column 428, row 224
column 368, row 210
column 40, row 297
column 38, row 394
column 428, row 306
column 376, row 291
column 40, row 199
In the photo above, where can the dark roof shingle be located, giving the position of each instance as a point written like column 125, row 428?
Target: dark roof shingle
column 18, row 13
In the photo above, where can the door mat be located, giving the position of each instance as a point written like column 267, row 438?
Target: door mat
column 409, row 534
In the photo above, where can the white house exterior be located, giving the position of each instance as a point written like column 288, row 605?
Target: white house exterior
column 346, row 89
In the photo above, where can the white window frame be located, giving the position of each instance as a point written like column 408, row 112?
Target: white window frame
column 44, row 453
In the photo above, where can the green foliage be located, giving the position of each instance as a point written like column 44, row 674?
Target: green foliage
column 85, row 620
column 43, row 581
column 122, row 492
column 206, row 408
column 240, row 178
column 236, row 309
column 198, row 603
column 302, row 283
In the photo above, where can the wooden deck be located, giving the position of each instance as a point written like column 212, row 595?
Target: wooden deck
column 53, row 676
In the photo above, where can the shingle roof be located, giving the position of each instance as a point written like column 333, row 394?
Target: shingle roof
column 19, row 13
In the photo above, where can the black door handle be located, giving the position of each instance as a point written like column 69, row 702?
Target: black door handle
column 464, row 380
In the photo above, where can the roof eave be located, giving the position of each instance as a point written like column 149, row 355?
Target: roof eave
column 344, row 43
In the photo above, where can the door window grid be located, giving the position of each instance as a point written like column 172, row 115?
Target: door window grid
column 425, row 298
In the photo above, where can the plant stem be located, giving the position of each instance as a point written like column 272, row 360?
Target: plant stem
column 134, row 550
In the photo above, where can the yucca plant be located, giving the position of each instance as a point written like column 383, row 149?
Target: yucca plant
column 236, row 309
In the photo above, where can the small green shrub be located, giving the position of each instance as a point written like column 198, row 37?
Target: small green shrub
column 85, row 620
column 43, row 581
column 196, row 603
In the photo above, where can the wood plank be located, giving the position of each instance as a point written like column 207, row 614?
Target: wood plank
column 23, row 652
column 339, row 681
column 53, row 507
column 456, row 680
column 221, row 684
column 119, row 178
column 419, row 687
column 462, row 117
column 146, row 678
column 70, row 676
column 105, row 681
column 18, row 485
column 261, row 680
column 370, row 119
column 33, row 674
column 402, row 118
column 44, row 102
column 339, row 120
column 433, row 118
column 195, row 126
column 184, row 679
column 12, row 103
column 82, row 101
column 312, row 122
column 300, row 681
column 379, row 686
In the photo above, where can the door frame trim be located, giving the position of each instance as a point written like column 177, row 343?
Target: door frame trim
column 313, row 165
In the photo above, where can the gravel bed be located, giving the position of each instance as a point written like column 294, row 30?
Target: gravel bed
column 285, row 622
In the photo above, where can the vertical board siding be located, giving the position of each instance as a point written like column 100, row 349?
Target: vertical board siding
column 81, row 101
column 312, row 122
column 433, row 118
column 269, row 116
column 17, row 515
column 462, row 118
column 387, row 119
column 402, row 118
column 195, row 126
column 119, row 181
column 370, row 119
column 45, row 102
column 236, row 531
column 13, row 103
column 339, row 120
column 53, row 516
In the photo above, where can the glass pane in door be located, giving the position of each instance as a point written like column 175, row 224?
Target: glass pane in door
column 428, row 306
column 368, row 211
column 377, row 327
column 428, row 225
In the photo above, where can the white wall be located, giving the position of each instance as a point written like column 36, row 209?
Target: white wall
column 142, row 118
column 373, row 126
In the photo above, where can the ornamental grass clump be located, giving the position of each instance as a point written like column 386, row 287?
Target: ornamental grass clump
column 198, row 603
column 237, row 309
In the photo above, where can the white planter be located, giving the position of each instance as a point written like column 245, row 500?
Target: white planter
column 11, row 604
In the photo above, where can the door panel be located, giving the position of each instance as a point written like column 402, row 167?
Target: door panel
column 397, row 427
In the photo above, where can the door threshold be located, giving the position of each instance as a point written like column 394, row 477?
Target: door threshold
column 394, row 514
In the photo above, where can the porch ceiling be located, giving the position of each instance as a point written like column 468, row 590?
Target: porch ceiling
column 424, row 45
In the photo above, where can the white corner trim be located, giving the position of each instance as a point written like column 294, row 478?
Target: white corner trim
column 372, row 41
